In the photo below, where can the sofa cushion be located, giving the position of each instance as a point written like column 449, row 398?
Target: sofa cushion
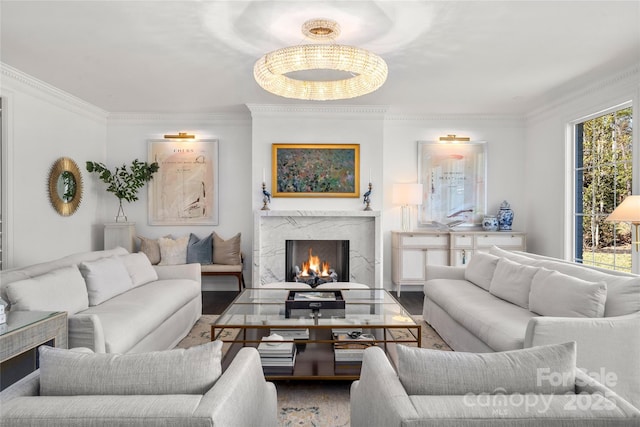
column 498, row 323
column 623, row 292
column 557, row 294
column 146, row 306
column 226, row 251
column 200, row 250
column 59, row 290
column 181, row 371
column 520, row 259
column 512, row 282
column 151, row 248
column 546, row 369
column 173, row 252
column 139, row 268
column 105, row 278
column 480, row 269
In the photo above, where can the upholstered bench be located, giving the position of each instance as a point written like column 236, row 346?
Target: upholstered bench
column 225, row 270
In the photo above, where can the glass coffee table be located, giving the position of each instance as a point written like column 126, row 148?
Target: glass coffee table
column 371, row 313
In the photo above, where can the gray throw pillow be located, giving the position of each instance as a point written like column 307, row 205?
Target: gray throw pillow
column 226, row 251
column 200, row 251
column 182, row 371
column 548, row 369
column 480, row 269
column 150, row 248
column 512, row 282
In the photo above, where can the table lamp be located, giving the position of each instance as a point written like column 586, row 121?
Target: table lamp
column 628, row 211
column 407, row 195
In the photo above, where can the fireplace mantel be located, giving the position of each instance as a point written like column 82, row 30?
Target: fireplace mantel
column 361, row 228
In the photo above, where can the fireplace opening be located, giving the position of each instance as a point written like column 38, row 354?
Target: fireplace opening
column 315, row 262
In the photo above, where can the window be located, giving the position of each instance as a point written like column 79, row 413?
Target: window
column 603, row 176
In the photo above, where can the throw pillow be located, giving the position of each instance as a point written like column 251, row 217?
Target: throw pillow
column 140, row 269
column 531, row 370
column 226, row 251
column 200, row 250
column 59, row 290
column 181, row 371
column 105, row 278
column 512, row 282
column 501, row 253
column 557, row 294
column 150, row 248
column 173, row 252
column 480, row 269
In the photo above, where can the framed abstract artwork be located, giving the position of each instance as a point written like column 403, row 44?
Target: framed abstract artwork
column 184, row 191
column 453, row 177
column 316, row 170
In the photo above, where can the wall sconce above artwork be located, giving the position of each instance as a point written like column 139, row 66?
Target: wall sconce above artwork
column 454, row 138
column 180, row 135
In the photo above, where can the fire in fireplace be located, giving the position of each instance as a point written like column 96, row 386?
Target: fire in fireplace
column 317, row 261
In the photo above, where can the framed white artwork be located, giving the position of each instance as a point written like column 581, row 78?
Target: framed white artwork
column 184, row 191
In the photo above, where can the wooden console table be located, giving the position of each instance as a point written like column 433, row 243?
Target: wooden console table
column 412, row 251
column 20, row 338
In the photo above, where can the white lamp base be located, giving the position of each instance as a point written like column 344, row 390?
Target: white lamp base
column 406, row 218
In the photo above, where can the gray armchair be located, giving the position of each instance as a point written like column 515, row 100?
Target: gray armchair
column 240, row 397
column 381, row 398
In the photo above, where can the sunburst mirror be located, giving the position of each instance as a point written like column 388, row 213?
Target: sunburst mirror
column 65, row 186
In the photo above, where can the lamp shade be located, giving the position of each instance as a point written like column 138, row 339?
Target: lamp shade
column 627, row 211
column 407, row 194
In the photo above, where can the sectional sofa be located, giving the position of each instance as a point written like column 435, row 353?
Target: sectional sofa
column 512, row 300
column 116, row 302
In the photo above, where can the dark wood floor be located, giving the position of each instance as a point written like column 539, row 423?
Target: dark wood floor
column 215, row 302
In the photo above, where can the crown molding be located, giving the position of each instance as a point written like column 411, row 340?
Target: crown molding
column 505, row 120
column 50, row 93
column 629, row 76
column 369, row 111
column 180, row 118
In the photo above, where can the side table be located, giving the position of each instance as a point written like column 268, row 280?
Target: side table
column 20, row 338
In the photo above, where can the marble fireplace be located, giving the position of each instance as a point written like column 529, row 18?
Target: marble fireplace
column 362, row 230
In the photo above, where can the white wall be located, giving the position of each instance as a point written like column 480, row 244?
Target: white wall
column 41, row 124
column 127, row 139
column 548, row 154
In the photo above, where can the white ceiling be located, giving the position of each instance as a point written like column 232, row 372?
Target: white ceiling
column 484, row 57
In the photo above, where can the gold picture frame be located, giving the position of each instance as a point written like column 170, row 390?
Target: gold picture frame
column 315, row 170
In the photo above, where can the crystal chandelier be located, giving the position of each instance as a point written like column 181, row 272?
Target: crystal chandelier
column 368, row 71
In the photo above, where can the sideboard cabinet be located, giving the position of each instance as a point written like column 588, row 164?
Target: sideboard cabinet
column 413, row 251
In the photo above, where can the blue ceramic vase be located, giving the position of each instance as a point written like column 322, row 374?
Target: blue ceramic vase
column 505, row 217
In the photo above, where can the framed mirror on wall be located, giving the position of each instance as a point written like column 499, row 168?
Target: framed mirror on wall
column 65, row 186
column 454, row 180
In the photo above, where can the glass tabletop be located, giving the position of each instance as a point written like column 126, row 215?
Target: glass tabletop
column 20, row 319
column 266, row 307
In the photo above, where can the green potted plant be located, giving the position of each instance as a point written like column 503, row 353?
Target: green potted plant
column 124, row 182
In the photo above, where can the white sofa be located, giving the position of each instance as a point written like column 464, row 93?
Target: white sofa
column 116, row 302
column 512, row 300
column 168, row 388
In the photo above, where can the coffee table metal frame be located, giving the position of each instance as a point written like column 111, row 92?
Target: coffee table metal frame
column 255, row 311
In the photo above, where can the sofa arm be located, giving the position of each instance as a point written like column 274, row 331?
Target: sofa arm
column 241, row 397
column 85, row 330
column 444, row 272
column 378, row 398
column 606, row 346
column 180, row 271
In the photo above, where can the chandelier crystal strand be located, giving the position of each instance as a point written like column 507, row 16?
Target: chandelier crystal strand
column 368, row 69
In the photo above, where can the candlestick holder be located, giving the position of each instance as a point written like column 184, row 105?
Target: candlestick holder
column 266, row 198
column 367, row 199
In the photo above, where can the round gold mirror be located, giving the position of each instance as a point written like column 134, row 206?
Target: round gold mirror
column 65, row 186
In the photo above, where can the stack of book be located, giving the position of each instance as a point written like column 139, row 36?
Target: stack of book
column 277, row 354
column 291, row 333
column 350, row 345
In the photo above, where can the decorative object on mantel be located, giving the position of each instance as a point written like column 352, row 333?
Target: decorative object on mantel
column 505, row 217
column 266, row 197
column 124, row 183
column 407, row 195
column 367, row 71
column 65, row 186
column 628, row 211
column 367, row 197
column 490, row 223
